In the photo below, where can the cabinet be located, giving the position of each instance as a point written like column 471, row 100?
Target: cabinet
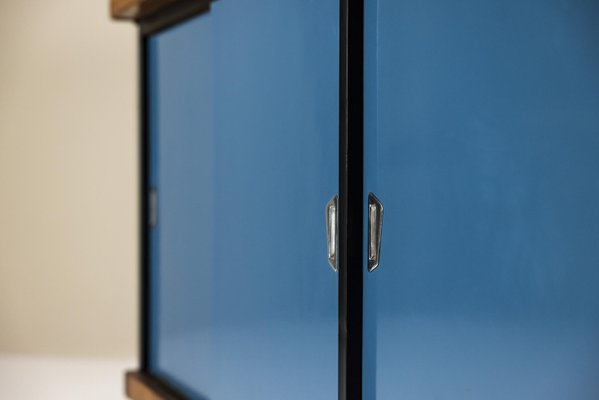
column 476, row 126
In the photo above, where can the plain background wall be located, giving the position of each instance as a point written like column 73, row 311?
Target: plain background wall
column 68, row 179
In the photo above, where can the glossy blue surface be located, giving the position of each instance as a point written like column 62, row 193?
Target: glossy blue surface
column 482, row 142
column 244, row 129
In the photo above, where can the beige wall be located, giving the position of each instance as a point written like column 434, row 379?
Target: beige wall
column 67, row 179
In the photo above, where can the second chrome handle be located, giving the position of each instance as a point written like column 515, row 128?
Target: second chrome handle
column 332, row 231
column 375, row 231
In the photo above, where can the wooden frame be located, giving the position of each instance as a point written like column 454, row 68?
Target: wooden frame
column 141, row 386
column 155, row 15
column 137, row 9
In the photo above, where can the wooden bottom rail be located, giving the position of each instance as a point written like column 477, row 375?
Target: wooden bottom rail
column 142, row 386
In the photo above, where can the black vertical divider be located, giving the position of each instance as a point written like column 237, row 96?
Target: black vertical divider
column 351, row 160
column 144, row 231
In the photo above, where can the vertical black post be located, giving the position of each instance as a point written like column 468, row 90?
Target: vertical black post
column 351, row 126
column 144, row 258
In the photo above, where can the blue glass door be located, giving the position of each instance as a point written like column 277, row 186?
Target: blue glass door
column 243, row 125
column 482, row 143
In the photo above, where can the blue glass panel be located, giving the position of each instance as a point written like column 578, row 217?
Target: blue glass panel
column 244, row 123
column 482, row 142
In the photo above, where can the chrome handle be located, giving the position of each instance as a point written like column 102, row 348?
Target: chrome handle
column 332, row 230
column 375, row 231
column 152, row 208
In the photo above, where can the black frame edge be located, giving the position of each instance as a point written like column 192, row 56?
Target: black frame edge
column 351, row 171
column 144, row 190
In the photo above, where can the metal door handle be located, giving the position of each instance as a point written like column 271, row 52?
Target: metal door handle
column 152, row 207
column 332, row 231
column 375, row 231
